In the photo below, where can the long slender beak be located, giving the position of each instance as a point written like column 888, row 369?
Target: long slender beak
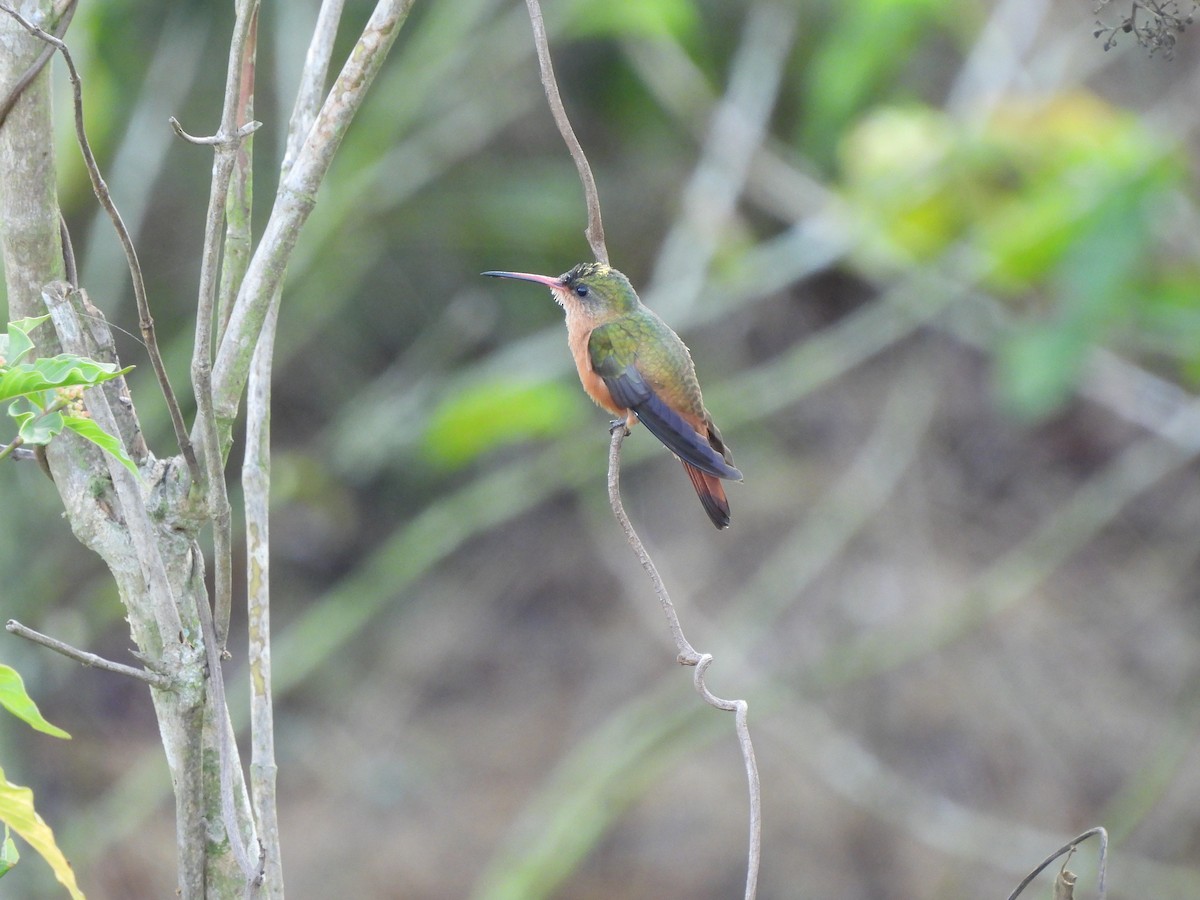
column 548, row 280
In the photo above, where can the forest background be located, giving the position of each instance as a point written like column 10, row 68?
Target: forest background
column 939, row 266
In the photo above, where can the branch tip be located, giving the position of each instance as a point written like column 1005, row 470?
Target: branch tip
column 219, row 139
column 91, row 660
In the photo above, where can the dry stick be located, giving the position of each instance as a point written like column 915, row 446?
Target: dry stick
column 689, row 657
column 738, row 126
column 256, row 482
column 100, row 188
column 294, row 202
column 1069, row 848
column 595, row 228
column 228, row 144
column 154, row 679
column 239, row 196
column 256, row 490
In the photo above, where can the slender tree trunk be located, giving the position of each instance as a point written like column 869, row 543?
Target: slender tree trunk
column 145, row 529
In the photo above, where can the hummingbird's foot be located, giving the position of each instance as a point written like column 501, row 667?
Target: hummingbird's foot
column 614, row 424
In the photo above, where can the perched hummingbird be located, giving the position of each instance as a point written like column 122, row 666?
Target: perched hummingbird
column 632, row 364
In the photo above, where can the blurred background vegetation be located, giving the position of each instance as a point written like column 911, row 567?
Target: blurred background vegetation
column 938, row 265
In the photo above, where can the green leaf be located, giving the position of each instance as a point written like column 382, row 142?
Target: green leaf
column 646, row 18
column 17, row 812
column 14, row 698
column 22, row 410
column 490, row 415
column 39, row 429
column 86, row 428
column 1036, row 371
column 17, row 342
column 9, row 856
column 64, row 370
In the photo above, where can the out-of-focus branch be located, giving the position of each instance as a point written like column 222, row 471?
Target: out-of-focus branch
column 595, row 227
column 738, row 125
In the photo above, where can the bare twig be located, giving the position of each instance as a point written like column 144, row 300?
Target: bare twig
column 239, row 196
column 293, row 205
column 15, row 450
column 1069, row 848
column 595, row 227
column 68, row 250
column 256, row 485
column 227, row 149
column 312, row 80
column 154, row 679
column 256, row 491
column 689, row 657
column 219, row 139
column 100, row 188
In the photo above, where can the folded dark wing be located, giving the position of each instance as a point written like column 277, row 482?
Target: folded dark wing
column 630, row 390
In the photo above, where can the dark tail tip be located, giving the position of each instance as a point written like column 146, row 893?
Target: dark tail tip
column 711, row 494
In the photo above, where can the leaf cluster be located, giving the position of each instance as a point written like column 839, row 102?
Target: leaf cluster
column 45, row 394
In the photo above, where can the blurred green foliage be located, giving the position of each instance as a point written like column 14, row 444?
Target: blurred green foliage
column 418, row 413
column 496, row 413
column 1065, row 200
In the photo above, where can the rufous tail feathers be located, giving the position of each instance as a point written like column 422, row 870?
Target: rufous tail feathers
column 711, row 493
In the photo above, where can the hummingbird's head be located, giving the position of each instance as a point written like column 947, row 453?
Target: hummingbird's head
column 592, row 288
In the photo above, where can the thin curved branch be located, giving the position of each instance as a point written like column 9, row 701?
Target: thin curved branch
column 595, row 227
column 1069, row 848
column 689, row 657
column 145, row 320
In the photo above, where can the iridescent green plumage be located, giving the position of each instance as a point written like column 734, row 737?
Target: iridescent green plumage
column 632, row 364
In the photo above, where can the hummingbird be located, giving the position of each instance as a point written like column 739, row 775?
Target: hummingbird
column 632, row 364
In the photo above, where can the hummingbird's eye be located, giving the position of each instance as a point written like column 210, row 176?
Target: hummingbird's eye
column 581, row 290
